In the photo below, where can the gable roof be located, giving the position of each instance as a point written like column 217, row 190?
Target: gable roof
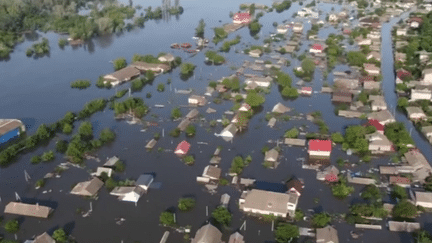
column 207, row 234
column 423, row 197
column 7, row 125
column 403, row 226
column 144, row 180
column 236, row 238
column 280, row 108
column 87, row 188
column 34, row 210
column 123, row 74
column 327, row 234
column 296, row 184
column 182, row 147
column 318, row 47
column 192, row 114
column 44, row 238
column 241, row 16
column 376, row 124
column 212, row 172
column 271, row 155
column 111, row 162
column 267, row 201
column 320, row 145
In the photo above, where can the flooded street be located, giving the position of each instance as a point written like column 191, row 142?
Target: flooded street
column 38, row 91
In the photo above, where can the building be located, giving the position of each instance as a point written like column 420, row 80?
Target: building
column 379, row 104
column 306, row 91
column 207, row 234
column 403, row 226
column 298, row 27
column 319, row 147
column 427, row 131
column 111, row 162
column 10, row 128
column 295, row 141
column 415, row 113
column 128, row 193
column 182, row 148
column 151, row 144
column 166, row 58
column 333, row 18
column 269, row 203
column 271, row 157
column 154, row 67
column 255, row 53
column 327, row 234
column 400, row 57
column 316, row 48
column 345, row 83
column 197, row 100
column 212, row 172
column 329, row 174
column 374, row 54
column 350, row 114
column 416, row 159
column 122, row 75
column 236, row 238
column 384, row 117
column 423, row 199
column 245, row 107
column 401, row 32
column 375, row 123
column 282, row 29
column 427, row 76
column 241, row 18
column 360, row 180
column 88, row 188
column 400, row 181
column 280, row 108
column 101, row 170
column 421, row 94
column 342, row 97
column 144, row 181
column 24, row 209
column 260, row 81
column 183, row 124
column 415, row 22
column 295, row 186
column 363, row 42
column 379, row 143
column 229, row 131
column 272, row 122
column 43, row 238
column 371, row 69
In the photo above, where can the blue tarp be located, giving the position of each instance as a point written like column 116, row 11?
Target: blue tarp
column 9, row 135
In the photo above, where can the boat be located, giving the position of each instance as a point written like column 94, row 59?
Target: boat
column 175, row 46
column 186, row 45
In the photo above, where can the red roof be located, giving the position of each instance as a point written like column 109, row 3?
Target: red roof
column 320, row 145
column 376, row 124
column 416, row 19
column 317, row 47
column 400, row 180
column 307, row 88
column 182, row 147
column 331, row 178
column 402, row 74
column 241, row 16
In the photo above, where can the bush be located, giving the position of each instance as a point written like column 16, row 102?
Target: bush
column 342, row 191
column 337, row 137
column 187, row 68
column 299, row 215
column 161, row 87
column 176, row 113
column 35, row 159
column 175, row 132
column 404, row 209
column 223, row 182
column 214, row 57
column 40, row 183
column 67, row 128
column 107, row 135
column 292, row 133
column 61, row 146
column 186, row 204
column 167, row 219
column 399, row 192
column 289, row 92
column 119, row 166
column 12, row 226
column 80, row 84
column 189, row 160
column 321, row 219
column 119, row 63
column 48, row 156
column 59, row 235
column 286, row 232
column 190, row 131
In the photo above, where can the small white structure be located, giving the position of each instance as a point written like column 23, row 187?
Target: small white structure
column 260, row 81
column 333, row 18
column 427, row 76
column 255, row 53
column 244, row 107
column 229, row 131
column 374, row 54
column 166, row 58
column 298, row 27
column 128, row 193
column 197, row 100
column 101, row 170
column 401, row 32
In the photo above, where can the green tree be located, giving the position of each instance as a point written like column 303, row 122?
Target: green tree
column 43, row 132
column 372, row 192
column 167, row 218
column 403, row 102
column 423, row 237
column 356, row 58
column 308, row 65
column 404, row 209
column 399, row 192
column 48, row 156
column 161, row 87
column 67, row 128
column 85, row 130
column 119, row 63
column 186, row 204
column 342, row 191
column 35, row 159
column 61, row 146
column 290, row 92
column 31, row 141
column 253, row 99
column 59, row 235
column 189, row 160
column 199, row 31
column 283, row 79
column 320, row 220
column 222, row 215
column 286, row 232
column 337, row 137
column 176, row 113
column 292, row 133
column 187, row 68
column 107, row 135
column 190, row 130
column 12, row 226
column 119, row 166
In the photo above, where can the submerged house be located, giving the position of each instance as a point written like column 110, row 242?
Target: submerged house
column 128, row 193
column 207, row 234
column 379, row 143
column 212, row 172
column 123, row 75
column 342, row 97
column 319, row 147
column 154, row 67
column 87, row 188
column 271, row 157
column 10, row 128
column 111, row 162
column 280, row 108
column 229, row 131
column 24, row 209
column 197, row 100
column 384, row 117
column 327, row 234
column 236, row 238
column 43, row 238
column 182, row 148
column 269, row 203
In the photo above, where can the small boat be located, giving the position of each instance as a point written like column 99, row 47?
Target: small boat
column 175, row 46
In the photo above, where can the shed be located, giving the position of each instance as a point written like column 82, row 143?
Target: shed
column 207, row 234
column 295, row 141
column 280, row 108
column 272, row 122
column 192, row 114
column 144, row 181
column 212, row 172
column 403, row 226
column 184, row 124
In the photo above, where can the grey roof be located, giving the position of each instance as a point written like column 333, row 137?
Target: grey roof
column 413, row 110
column 44, row 238
column 272, row 122
column 423, row 197
column 280, row 108
column 327, row 234
column 295, row 141
column 247, row 181
column 215, row 160
column 378, row 139
column 342, row 97
column 371, row 85
column 207, row 234
column 123, row 74
column 267, row 201
column 87, row 188
column 183, row 124
column 236, row 238
column 346, row 83
column 144, row 180
column 25, row 209
column 192, row 114
column 416, row 159
column 403, row 226
column 212, row 172
column 111, row 162
column 388, row 170
column 271, row 155
column 210, row 110
column 381, row 116
column 151, row 144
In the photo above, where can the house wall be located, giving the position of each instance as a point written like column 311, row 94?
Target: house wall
column 427, row 78
column 265, row 212
column 380, row 148
column 314, row 51
column 424, row 204
column 416, row 116
column 420, row 96
column 319, row 153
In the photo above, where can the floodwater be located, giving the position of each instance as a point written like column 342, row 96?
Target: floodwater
column 38, row 91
